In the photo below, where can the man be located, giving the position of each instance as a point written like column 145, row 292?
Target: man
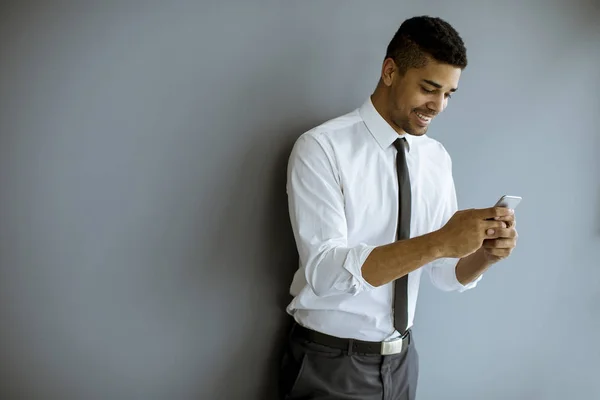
column 372, row 204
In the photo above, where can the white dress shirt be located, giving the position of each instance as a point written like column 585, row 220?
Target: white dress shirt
column 342, row 190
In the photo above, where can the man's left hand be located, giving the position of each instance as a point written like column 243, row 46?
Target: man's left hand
column 498, row 249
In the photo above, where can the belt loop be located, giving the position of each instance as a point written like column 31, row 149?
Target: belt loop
column 350, row 344
column 407, row 338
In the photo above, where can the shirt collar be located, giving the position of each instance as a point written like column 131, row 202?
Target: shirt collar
column 383, row 133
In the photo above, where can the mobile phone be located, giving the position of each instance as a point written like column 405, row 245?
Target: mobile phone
column 508, row 201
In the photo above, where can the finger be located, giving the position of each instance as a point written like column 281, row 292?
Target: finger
column 500, row 253
column 510, row 220
column 491, row 224
column 491, row 227
column 511, row 224
column 507, row 218
column 499, row 243
column 508, row 232
column 493, row 212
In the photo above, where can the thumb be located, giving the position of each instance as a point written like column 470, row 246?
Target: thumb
column 491, row 232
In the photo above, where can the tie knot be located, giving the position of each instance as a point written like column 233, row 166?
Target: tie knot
column 399, row 143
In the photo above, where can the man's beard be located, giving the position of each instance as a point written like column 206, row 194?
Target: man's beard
column 406, row 125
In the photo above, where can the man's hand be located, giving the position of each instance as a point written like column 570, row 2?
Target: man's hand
column 468, row 230
column 506, row 239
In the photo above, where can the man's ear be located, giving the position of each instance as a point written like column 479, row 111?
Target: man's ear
column 389, row 70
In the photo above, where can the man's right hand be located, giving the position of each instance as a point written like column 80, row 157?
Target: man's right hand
column 465, row 232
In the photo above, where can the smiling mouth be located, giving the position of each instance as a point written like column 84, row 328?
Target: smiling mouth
column 424, row 119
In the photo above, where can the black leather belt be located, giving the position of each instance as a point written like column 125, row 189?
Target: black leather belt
column 393, row 346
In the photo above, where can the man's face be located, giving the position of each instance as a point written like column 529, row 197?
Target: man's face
column 418, row 96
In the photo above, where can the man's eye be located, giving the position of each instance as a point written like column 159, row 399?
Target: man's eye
column 427, row 91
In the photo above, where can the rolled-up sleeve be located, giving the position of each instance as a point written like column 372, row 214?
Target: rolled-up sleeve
column 317, row 215
column 442, row 272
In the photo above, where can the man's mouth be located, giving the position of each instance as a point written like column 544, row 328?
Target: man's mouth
column 423, row 118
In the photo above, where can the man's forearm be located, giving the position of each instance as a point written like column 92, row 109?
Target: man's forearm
column 471, row 267
column 390, row 262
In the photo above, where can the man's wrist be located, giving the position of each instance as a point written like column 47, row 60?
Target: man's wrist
column 469, row 268
column 438, row 244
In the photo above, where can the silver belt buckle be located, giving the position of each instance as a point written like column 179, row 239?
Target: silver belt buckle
column 393, row 346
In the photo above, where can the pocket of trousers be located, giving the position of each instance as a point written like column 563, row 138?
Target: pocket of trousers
column 292, row 368
column 317, row 368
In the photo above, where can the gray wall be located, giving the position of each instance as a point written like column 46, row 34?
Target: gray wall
column 145, row 249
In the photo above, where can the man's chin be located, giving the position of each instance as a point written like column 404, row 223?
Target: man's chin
column 415, row 130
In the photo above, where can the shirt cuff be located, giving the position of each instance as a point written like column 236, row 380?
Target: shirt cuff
column 445, row 276
column 354, row 261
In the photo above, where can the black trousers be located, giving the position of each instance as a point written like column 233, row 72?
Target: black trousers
column 313, row 371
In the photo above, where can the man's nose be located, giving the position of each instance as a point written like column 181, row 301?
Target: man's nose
column 437, row 104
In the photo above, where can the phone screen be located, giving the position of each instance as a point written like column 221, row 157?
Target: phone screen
column 508, row 201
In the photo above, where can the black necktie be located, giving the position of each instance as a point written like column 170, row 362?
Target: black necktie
column 404, row 197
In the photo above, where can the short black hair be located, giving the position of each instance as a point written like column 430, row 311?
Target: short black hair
column 422, row 36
